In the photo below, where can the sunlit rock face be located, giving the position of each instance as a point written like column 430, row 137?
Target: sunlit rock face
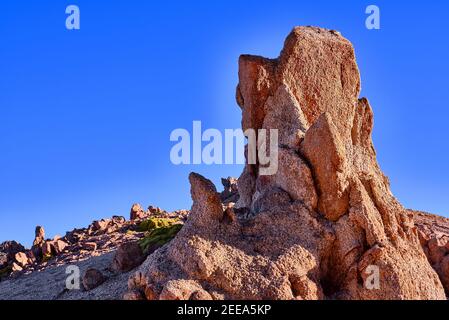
column 323, row 223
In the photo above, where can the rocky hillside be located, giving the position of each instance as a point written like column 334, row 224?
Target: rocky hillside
column 106, row 252
column 316, row 229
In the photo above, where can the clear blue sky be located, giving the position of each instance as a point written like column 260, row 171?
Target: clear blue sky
column 85, row 116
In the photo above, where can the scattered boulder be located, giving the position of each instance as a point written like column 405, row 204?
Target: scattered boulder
column 134, row 295
column 16, row 267
column 90, row 246
column 118, row 220
column 76, row 235
column 128, row 256
column 137, row 212
column 100, row 225
column 21, row 258
column 92, row 278
column 58, row 246
column 155, row 210
column 101, row 237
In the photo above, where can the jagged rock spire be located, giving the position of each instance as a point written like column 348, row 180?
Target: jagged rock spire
column 326, row 218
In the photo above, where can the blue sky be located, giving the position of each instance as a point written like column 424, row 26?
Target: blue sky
column 86, row 115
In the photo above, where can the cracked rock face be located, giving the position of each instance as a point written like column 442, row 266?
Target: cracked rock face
column 319, row 226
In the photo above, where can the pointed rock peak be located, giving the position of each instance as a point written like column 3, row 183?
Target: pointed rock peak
column 206, row 201
column 319, row 68
column 200, row 185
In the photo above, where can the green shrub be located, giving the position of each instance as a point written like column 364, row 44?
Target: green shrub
column 155, row 223
column 158, row 231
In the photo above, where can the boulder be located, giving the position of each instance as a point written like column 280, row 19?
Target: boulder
column 92, row 278
column 128, row 256
column 133, row 295
column 58, row 246
column 21, row 258
column 89, row 246
column 100, row 225
column 137, row 212
column 118, row 220
column 16, row 267
column 155, row 210
column 10, row 248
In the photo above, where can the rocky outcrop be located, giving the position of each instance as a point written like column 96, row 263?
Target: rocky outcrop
column 434, row 237
column 230, row 193
column 137, row 212
column 325, row 225
column 10, row 251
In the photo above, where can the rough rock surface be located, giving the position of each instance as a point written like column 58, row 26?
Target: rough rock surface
column 128, row 256
column 316, row 228
column 434, row 236
column 93, row 278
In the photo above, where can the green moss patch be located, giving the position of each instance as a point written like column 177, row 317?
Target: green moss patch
column 158, row 231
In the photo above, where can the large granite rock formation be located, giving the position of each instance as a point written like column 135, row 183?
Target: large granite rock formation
column 318, row 227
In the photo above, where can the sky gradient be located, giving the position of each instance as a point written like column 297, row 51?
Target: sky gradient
column 86, row 115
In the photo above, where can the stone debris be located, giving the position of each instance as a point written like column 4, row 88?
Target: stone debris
column 100, row 237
